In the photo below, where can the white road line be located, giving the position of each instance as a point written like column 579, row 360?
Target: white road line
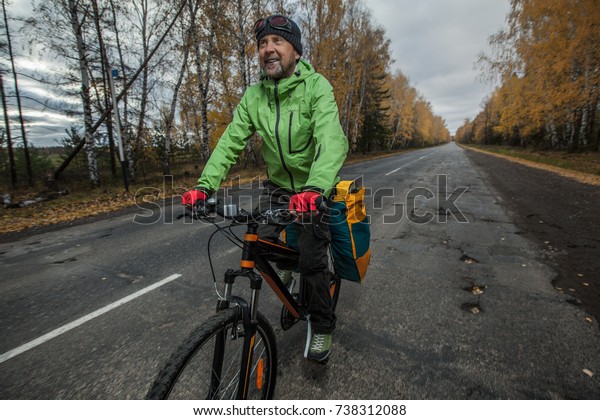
column 61, row 330
column 231, row 251
column 411, row 162
column 404, row 166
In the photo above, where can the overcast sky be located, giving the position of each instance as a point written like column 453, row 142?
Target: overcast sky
column 435, row 43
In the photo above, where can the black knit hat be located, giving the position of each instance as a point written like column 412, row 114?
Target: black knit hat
column 281, row 26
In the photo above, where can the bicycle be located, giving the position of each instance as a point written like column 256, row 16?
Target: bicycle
column 233, row 355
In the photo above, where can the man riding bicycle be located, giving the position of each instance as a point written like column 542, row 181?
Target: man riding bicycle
column 293, row 109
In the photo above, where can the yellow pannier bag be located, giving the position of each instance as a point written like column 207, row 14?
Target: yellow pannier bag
column 350, row 231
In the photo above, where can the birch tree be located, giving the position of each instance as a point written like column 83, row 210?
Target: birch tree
column 77, row 18
column 6, row 134
column 62, row 27
column 169, row 116
column 131, row 79
column 17, row 95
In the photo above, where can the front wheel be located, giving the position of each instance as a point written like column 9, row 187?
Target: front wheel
column 208, row 364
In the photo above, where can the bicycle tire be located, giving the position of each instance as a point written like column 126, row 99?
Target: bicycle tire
column 190, row 369
column 334, row 288
column 334, row 282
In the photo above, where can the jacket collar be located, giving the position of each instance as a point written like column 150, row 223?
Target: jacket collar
column 303, row 70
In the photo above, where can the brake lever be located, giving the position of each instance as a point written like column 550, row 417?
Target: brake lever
column 197, row 212
column 204, row 209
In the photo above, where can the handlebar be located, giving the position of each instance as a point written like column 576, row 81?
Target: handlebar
column 276, row 216
column 281, row 216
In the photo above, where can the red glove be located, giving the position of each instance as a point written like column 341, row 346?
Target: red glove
column 192, row 197
column 304, row 202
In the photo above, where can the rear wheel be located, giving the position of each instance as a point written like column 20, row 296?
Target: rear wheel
column 208, row 364
column 334, row 290
column 334, row 282
column 288, row 320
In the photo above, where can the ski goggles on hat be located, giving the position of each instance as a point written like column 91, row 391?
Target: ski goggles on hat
column 276, row 22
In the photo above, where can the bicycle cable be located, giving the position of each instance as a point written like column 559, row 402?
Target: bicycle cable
column 233, row 238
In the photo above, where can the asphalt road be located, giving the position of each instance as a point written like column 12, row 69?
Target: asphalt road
column 456, row 305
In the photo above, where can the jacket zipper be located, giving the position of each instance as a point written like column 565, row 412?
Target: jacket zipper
column 290, row 132
column 277, row 106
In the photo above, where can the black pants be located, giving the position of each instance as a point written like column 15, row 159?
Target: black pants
column 313, row 241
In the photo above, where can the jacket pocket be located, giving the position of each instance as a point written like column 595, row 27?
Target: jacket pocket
column 299, row 139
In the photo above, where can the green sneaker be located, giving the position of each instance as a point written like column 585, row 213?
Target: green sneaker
column 285, row 276
column 320, row 347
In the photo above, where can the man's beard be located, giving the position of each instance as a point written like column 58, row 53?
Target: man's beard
column 276, row 73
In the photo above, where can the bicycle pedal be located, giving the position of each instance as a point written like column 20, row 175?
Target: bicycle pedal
column 318, row 362
column 287, row 319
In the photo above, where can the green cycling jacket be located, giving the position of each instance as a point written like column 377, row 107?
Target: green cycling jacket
column 304, row 146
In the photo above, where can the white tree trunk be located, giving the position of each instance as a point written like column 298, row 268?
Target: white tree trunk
column 90, row 148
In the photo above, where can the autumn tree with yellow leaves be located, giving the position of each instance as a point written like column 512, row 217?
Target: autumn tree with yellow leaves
column 548, row 62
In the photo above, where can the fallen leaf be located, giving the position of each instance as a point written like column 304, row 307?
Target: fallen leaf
column 476, row 290
column 580, row 275
column 571, row 290
column 588, row 372
column 586, row 284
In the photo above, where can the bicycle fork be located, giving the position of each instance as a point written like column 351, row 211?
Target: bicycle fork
column 248, row 313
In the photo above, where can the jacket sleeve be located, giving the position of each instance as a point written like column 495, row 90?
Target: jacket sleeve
column 229, row 147
column 331, row 144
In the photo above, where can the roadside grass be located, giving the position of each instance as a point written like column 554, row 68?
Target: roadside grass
column 582, row 167
column 80, row 200
column 584, row 162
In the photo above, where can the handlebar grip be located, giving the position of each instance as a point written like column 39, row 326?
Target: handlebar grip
column 322, row 206
column 205, row 208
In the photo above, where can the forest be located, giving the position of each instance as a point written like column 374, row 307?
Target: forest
column 548, row 63
column 177, row 69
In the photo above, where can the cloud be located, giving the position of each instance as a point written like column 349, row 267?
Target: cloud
column 436, row 43
column 44, row 122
